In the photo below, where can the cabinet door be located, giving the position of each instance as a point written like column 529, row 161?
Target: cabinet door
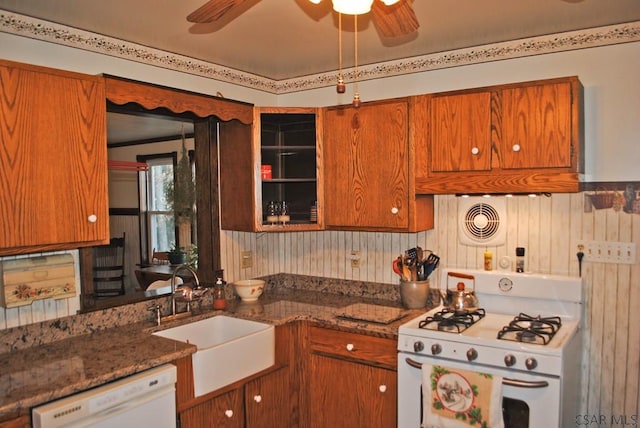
column 535, row 130
column 268, row 400
column 460, row 138
column 53, row 159
column 345, row 394
column 289, row 168
column 224, row 411
column 366, row 166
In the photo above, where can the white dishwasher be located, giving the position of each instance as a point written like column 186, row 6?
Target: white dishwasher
column 146, row 399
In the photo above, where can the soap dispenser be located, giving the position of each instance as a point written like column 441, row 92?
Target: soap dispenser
column 219, row 299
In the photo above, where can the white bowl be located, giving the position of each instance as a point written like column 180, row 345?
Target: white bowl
column 249, row 289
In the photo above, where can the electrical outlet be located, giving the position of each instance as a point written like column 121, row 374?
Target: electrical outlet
column 246, row 259
column 355, row 259
column 609, row 252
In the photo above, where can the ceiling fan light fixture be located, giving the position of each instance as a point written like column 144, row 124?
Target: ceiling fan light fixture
column 388, row 2
column 352, row 7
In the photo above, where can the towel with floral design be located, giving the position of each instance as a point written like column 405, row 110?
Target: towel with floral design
column 455, row 398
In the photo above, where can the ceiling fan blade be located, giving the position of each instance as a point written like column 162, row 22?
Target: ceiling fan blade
column 212, row 11
column 396, row 20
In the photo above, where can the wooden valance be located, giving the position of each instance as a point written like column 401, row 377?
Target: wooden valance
column 122, row 91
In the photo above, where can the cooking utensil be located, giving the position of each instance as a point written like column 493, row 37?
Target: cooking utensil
column 430, row 264
column 460, row 299
column 397, row 266
column 412, row 253
column 406, row 272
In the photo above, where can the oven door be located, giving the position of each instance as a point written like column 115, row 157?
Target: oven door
column 528, row 401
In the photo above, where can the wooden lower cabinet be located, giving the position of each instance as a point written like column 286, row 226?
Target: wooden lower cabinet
column 263, row 402
column 323, row 378
column 352, row 380
column 19, row 422
column 225, row 410
column 267, row 400
column 348, row 394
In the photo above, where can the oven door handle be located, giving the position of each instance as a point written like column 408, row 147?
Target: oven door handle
column 505, row 381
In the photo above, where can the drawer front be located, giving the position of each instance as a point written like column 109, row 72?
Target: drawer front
column 369, row 349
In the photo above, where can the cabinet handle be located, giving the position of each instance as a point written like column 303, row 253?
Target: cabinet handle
column 92, row 218
column 475, row 151
column 257, row 398
column 516, row 147
column 382, row 388
column 350, row 347
column 228, row 413
column 394, row 210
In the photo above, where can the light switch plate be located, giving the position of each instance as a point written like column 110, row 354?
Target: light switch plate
column 609, row 252
column 246, row 259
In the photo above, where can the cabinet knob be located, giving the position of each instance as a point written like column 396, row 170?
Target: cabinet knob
column 394, row 210
column 350, row 347
column 92, row 218
column 228, row 413
column 257, row 398
column 475, row 151
column 516, row 147
column 382, row 388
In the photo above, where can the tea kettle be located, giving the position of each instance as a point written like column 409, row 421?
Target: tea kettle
column 460, row 299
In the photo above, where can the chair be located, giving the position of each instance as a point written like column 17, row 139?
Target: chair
column 108, row 268
column 159, row 257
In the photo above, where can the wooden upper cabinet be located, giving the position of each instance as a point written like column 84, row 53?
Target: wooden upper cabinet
column 516, row 138
column 535, row 131
column 287, row 141
column 368, row 169
column 461, row 132
column 53, row 159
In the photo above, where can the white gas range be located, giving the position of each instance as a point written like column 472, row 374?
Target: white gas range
column 526, row 331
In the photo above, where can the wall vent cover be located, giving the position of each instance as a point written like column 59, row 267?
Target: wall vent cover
column 482, row 221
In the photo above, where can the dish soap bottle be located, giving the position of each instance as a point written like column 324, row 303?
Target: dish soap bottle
column 219, row 300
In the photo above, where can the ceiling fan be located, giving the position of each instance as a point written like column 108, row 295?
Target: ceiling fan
column 393, row 18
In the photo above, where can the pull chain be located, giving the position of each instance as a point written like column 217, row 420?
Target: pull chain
column 356, row 94
column 340, row 87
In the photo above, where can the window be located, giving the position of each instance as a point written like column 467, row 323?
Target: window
column 159, row 219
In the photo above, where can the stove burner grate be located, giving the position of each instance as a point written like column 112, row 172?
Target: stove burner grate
column 451, row 321
column 525, row 328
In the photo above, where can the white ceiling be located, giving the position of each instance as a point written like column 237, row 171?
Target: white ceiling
column 280, row 39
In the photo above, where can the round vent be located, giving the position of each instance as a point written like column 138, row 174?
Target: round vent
column 482, row 222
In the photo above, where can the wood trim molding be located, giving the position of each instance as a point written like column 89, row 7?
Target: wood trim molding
column 122, row 91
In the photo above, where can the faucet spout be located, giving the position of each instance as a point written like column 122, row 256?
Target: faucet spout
column 177, row 270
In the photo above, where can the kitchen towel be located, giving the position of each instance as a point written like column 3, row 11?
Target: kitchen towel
column 455, row 398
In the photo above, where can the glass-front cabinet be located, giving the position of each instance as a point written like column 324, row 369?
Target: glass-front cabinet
column 271, row 171
column 288, row 182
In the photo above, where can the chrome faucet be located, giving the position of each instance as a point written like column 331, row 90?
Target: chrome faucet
column 196, row 282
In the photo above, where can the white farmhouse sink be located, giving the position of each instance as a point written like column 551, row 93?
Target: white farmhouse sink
column 229, row 349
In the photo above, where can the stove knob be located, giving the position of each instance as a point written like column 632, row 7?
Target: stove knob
column 472, row 354
column 509, row 360
column 418, row 346
column 531, row 363
column 436, row 349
